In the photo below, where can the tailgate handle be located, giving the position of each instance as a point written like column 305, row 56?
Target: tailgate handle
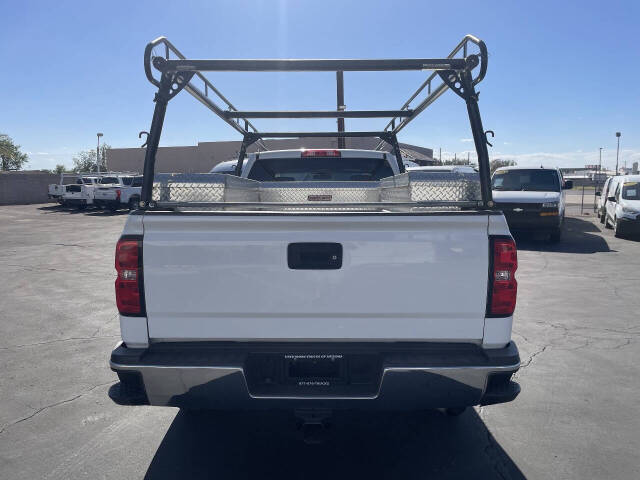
column 314, row 256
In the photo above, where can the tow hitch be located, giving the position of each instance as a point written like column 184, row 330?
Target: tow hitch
column 314, row 424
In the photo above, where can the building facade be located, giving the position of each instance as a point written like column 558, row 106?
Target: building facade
column 205, row 155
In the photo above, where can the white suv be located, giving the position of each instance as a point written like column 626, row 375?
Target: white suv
column 622, row 207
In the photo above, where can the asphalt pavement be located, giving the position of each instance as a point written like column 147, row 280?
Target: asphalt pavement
column 576, row 324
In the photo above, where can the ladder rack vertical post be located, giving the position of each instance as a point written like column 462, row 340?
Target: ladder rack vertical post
column 153, row 139
column 248, row 140
column 479, row 137
column 341, row 105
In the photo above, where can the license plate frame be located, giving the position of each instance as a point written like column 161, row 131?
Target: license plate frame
column 293, row 374
column 314, row 369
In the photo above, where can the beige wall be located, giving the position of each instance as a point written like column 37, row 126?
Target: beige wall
column 25, row 187
column 204, row 156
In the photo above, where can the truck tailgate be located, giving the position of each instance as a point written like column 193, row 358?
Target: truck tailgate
column 402, row 277
column 105, row 193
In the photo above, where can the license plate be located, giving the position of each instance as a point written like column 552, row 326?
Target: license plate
column 313, row 373
column 314, row 369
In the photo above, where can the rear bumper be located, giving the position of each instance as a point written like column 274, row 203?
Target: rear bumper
column 409, row 377
column 532, row 221
column 629, row 225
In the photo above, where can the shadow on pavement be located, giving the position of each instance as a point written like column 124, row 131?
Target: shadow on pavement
column 93, row 212
column 579, row 236
column 61, row 209
column 107, row 213
column 359, row 445
column 52, row 208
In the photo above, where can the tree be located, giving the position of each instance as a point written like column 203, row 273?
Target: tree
column 498, row 162
column 10, row 155
column 60, row 168
column 86, row 161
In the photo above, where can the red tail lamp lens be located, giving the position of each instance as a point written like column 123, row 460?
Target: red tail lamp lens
column 504, row 287
column 128, row 283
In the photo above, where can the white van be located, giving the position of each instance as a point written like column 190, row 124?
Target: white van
column 602, row 199
column 623, row 204
column 532, row 199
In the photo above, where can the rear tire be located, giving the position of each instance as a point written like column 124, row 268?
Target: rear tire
column 607, row 224
column 603, row 218
column 133, row 203
column 617, row 228
column 556, row 234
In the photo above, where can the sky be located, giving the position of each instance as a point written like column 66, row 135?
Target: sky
column 562, row 76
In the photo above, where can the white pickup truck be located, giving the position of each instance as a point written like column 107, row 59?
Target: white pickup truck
column 56, row 191
column 316, row 279
column 80, row 194
column 115, row 192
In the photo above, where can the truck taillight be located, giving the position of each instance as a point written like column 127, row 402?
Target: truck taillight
column 129, row 287
column 118, row 194
column 503, row 286
column 320, row 153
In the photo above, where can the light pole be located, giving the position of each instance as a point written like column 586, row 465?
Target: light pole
column 597, row 182
column 98, row 152
column 617, row 151
column 600, row 164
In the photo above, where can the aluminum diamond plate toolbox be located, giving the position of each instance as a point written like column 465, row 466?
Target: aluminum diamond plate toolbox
column 203, row 187
column 320, row 192
column 425, row 186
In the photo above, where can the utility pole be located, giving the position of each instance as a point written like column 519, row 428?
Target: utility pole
column 597, row 182
column 617, row 151
column 468, row 158
column 98, row 152
column 440, row 155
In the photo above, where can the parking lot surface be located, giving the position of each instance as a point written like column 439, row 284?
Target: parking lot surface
column 577, row 325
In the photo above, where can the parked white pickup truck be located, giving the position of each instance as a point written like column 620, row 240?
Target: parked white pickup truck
column 56, row 191
column 316, row 279
column 115, row 192
column 80, row 194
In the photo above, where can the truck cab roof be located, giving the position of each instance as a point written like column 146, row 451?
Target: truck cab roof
column 522, row 167
column 444, row 168
column 314, row 164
